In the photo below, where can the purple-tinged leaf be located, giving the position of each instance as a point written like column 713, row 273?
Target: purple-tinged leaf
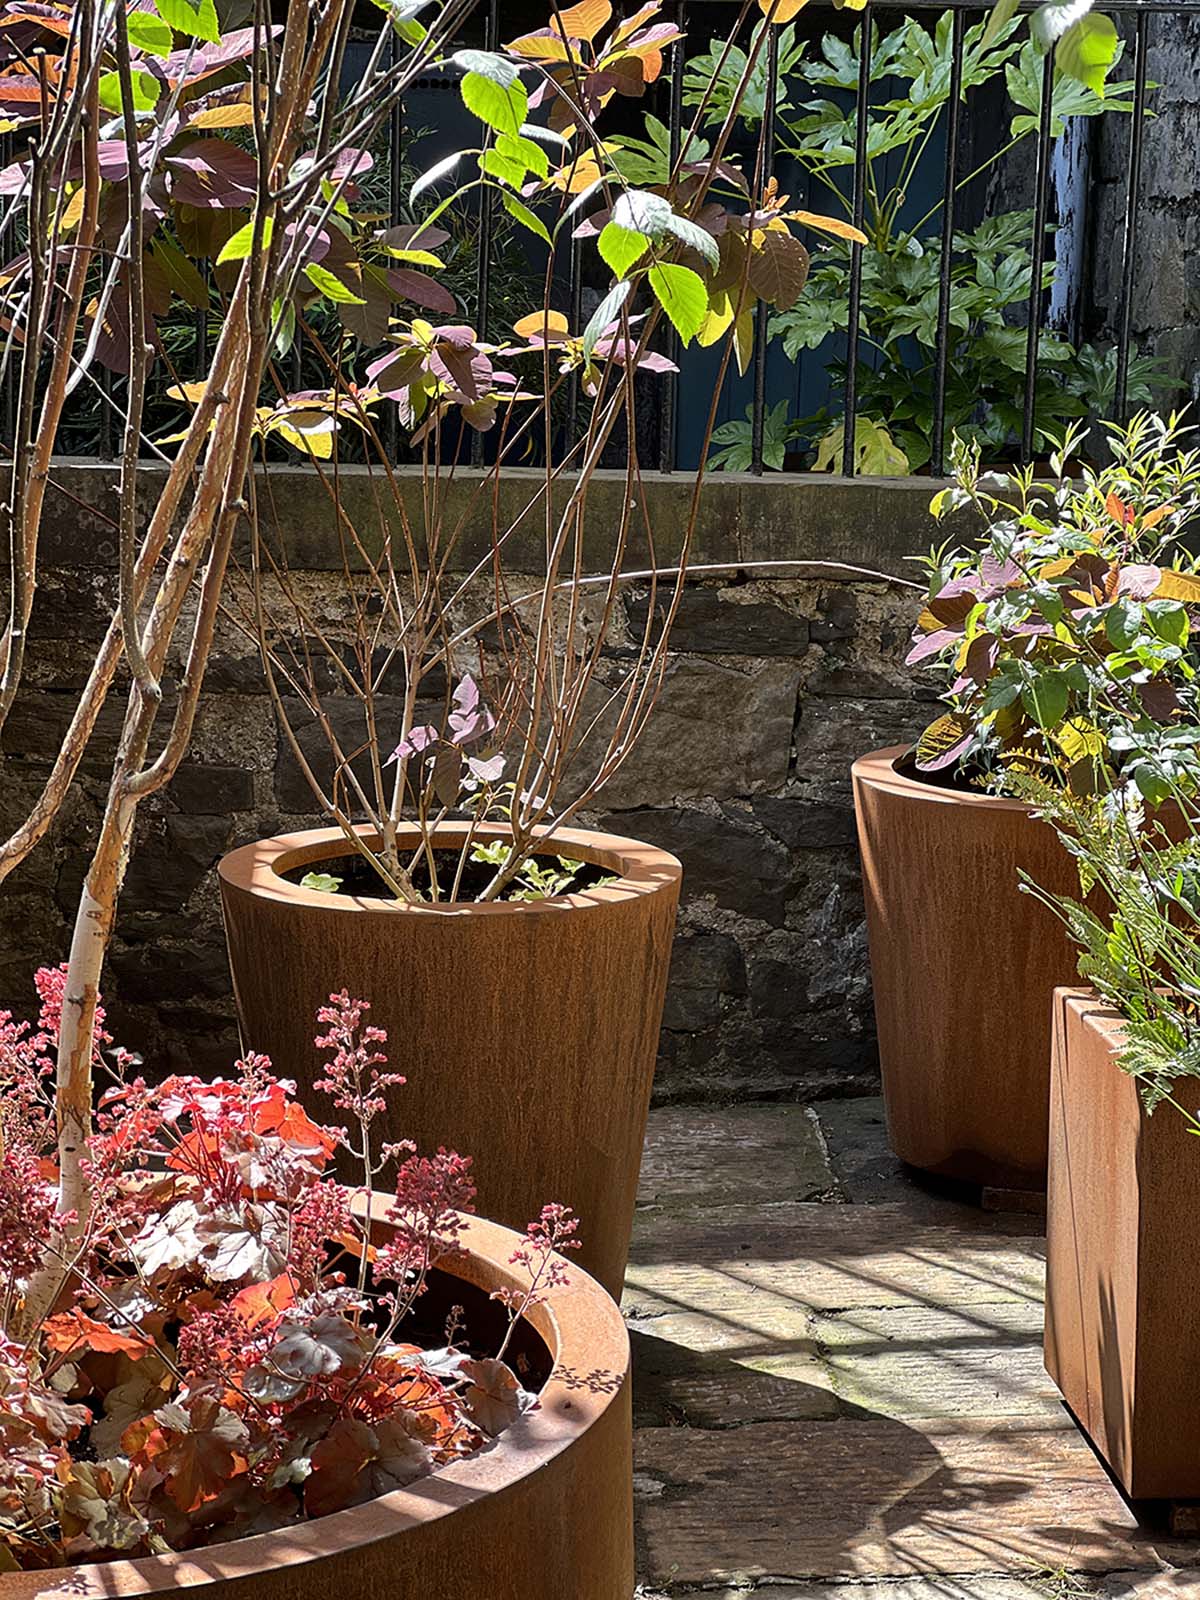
column 420, row 289
column 930, row 644
column 417, row 740
column 470, row 719
column 214, row 174
column 1138, row 582
column 489, row 771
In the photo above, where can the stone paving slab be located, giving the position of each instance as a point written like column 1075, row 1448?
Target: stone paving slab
column 858, row 1498
column 929, row 1362
column 735, row 1153
column 845, row 1401
column 753, row 1265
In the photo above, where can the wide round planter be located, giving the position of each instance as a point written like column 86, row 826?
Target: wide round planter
column 963, row 966
column 527, row 1031
column 1122, row 1311
column 545, row 1514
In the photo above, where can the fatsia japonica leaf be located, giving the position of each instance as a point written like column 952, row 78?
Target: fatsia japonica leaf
column 621, row 247
column 682, row 295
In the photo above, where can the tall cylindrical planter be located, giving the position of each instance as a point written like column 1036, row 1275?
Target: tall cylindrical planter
column 545, row 1514
column 1122, row 1300
column 527, row 1031
column 963, row 965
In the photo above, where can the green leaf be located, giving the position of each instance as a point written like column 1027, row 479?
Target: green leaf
column 620, row 247
column 487, row 64
column 434, row 174
column 332, row 288
column 148, row 32
column 501, row 168
column 682, row 295
column 1046, row 699
column 196, row 22
column 521, row 213
column 1122, row 624
column 1169, row 621
column 515, row 147
column 642, row 212
column 1001, row 15
column 322, row 882
column 604, row 313
column 146, row 90
column 696, row 238
column 238, row 246
column 501, row 106
column 1087, row 51
column 180, row 273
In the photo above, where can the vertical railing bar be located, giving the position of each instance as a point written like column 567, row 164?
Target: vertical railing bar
column 483, row 249
column 396, row 212
column 758, row 414
column 1133, row 185
column 854, row 304
column 941, row 350
column 669, row 401
column 8, row 391
column 1038, row 256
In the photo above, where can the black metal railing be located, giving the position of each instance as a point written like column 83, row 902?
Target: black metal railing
column 1137, row 19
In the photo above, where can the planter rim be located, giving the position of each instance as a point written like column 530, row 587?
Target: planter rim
column 881, row 769
column 258, row 869
column 1092, row 1011
column 589, row 1346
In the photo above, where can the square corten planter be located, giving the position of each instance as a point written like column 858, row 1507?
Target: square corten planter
column 1122, row 1289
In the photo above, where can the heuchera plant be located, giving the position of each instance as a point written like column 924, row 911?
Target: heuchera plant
column 222, row 1348
column 1067, row 635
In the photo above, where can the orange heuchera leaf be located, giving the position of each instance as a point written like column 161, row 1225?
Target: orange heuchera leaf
column 72, row 1331
column 197, row 1451
column 259, row 1302
column 835, row 225
column 583, row 21
column 1118, row 510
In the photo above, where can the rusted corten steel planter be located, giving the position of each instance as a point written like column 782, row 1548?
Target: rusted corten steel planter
column 963, row 966
column 1122, row 1302
column 527, row 1031
column 546, row 1514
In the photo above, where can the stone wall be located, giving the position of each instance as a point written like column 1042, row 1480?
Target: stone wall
column 775, row 682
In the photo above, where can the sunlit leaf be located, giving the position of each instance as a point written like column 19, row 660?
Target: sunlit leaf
column 501, row 106
column 547, row 324
column 146, row 90
column 150, row 33
column 331, row 286
column 682, row 295
column 605, row 313
column 1087, row 51
column 621, row 247
column 696, row 238
column 781, row 10
column 239, row 246
column 434, row 174
column 944, row 742
column 583, row 21
column 834, row 225
column 196, row 22
column 521, row 214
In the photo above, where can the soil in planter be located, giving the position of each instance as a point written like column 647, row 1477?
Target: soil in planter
column 359, row 881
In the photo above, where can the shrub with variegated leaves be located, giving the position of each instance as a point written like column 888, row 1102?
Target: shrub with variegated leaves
column 1066, row 636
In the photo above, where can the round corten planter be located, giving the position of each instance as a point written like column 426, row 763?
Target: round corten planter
column 527, row 1031
column 545, row 1514
column 963, row 966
